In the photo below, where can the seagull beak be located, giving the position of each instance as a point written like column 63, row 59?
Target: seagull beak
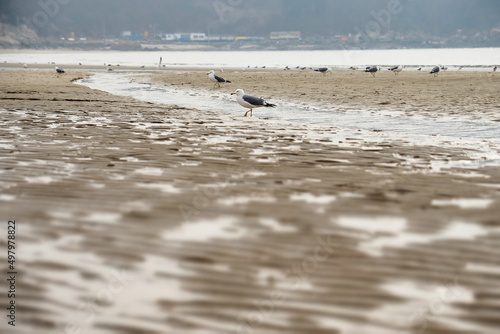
column 233, row 93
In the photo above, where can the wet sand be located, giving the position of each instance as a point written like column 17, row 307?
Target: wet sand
column 470, row 94
column 142, row 218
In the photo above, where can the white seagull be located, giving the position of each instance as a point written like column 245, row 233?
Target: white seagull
column 373, row 70
column 249, row 101
column 59, row 70
column 435, row 70
column 216, row 78
column 397, row 69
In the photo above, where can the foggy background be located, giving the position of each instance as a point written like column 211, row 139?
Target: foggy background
column 107, row 18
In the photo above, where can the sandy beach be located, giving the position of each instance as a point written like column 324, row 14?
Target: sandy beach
column 141, row 218
column 463, row 93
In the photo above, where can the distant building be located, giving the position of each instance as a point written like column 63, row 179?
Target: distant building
column 185, row 37
column 286, row 35
column 216, row 38
column 197, row 37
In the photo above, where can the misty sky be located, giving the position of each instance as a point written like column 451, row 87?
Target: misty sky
column 252, row 17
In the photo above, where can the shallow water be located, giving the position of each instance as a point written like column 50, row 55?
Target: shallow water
column 468, row 57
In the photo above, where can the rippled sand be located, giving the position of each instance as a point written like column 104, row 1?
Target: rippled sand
column 140, row 218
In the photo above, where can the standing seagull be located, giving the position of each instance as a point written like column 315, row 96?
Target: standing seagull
column 435, row 70
column 59, row 70
column 494, row 69
column 216, row 78
column 249, row 101
column 396, row 69
column 373, row 70
column 324, row 70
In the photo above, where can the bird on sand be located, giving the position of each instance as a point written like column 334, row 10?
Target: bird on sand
column 324, row 70
column 435, row 70
column 372, row 69
column 251, row 102
column 397, row 69
column 59, row 70
column 494, row 69
column 216, row 79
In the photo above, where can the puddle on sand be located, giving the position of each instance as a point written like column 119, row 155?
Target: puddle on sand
column 206, row 230
column 393, row 233
column 312, row 199
column 464, row 203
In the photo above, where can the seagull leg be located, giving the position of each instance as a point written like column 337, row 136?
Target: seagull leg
column 248, row 112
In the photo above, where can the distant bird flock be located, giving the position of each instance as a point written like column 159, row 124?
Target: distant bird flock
column 252, row 102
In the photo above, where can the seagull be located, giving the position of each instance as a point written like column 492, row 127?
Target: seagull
column 59, row 70
column 443, row 67
column 435, row 70
column 353, row 68
column 494, row 69
column 249, row 101
column 216, row 78
column 109, row 69
column 397, row 69
column 419, row 69
column 324, row 70
column 373, row 70
column 25, row 65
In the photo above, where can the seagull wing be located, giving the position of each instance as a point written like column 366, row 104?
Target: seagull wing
column 219, row 79
column 253, row 100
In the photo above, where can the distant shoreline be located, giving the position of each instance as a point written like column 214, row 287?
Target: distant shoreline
column 237, row 46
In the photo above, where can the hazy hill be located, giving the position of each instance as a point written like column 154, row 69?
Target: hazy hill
column 95, row 18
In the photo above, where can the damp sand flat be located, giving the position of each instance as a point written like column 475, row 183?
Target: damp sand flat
column 470, row 95
column 212, row 223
